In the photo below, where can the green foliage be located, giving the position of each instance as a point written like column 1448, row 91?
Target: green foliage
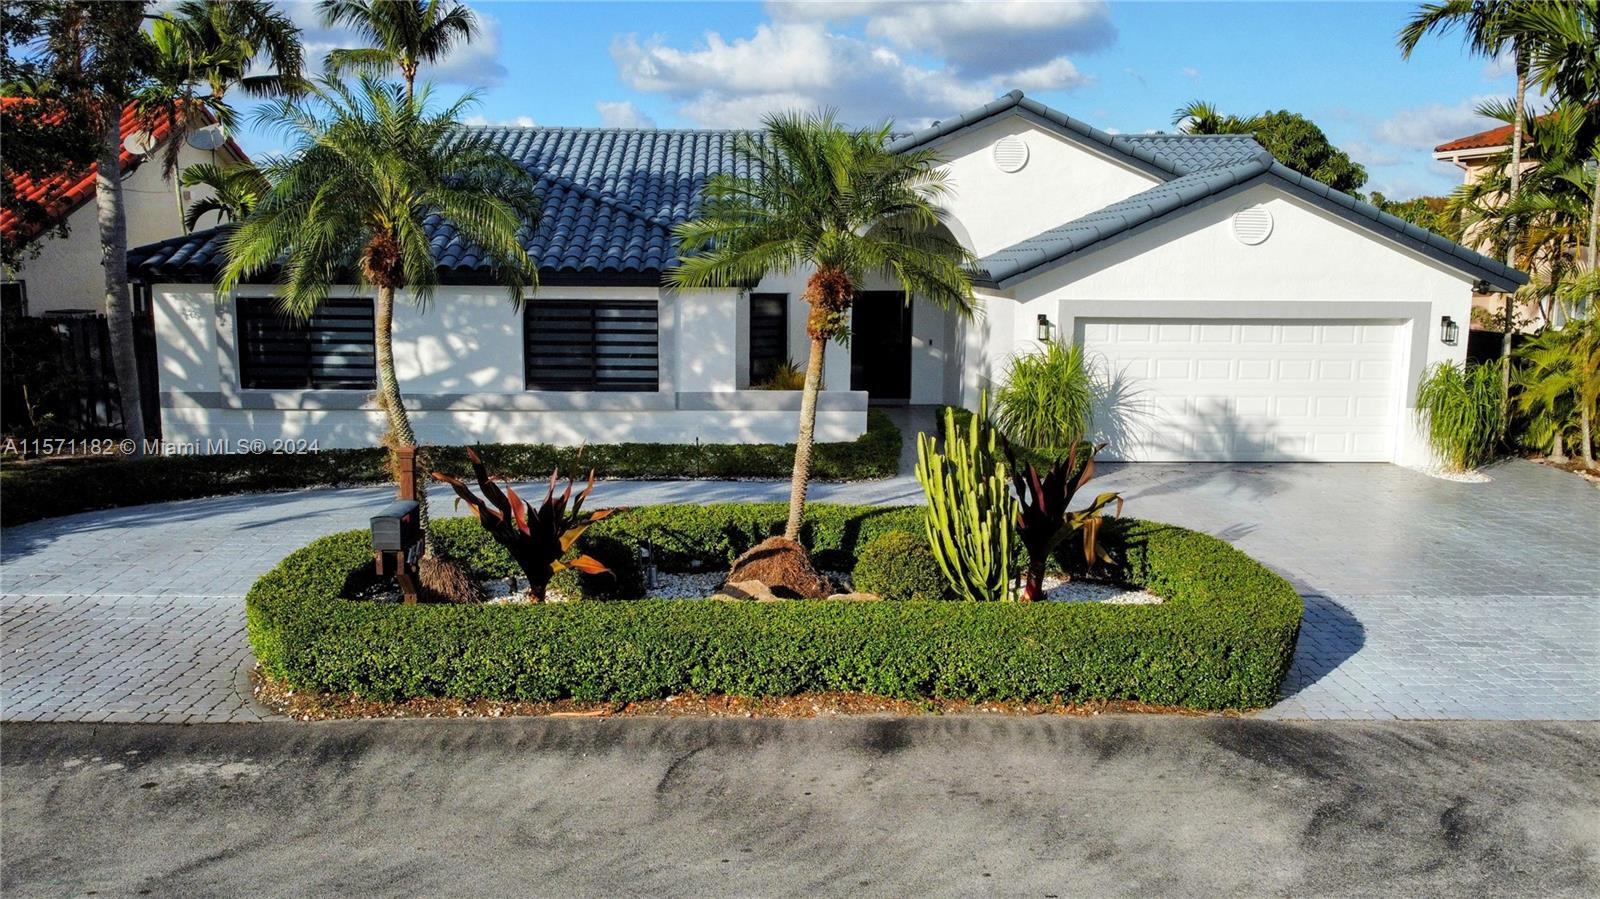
column 1046, row 400
column 1223, row 638
column 400, row 35
column 62, row 488
column 1463, row 412
column 1045, row 519
column 900, row 566
column 1424, row 212
column 1558, row 386
column 234, row 191
column 787, row 376
column 970, row 507
column 1291, row 138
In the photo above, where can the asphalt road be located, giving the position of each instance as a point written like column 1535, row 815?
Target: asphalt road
column 1110, row 806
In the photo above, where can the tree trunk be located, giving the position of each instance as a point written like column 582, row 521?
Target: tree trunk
column 1594, row 233
column 393, row 405
column 802, row 445
column 113, row 221
column 1558, row 446
column 1511, row 251
column 1586, row 436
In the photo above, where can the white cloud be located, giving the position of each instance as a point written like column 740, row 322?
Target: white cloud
column 475, row 65
column 977, row 37
column 1499, row 66
column 797, row 62
column 479, row 121
column 1190, row 72
column 622, row 114
column 1425, row 127
column 1371, row 155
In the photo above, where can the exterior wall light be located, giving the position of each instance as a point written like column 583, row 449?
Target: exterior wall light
column 1044, row 328
column 1449, row 331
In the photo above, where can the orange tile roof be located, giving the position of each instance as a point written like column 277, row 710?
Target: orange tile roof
column 61, row 195
column 1494, row 137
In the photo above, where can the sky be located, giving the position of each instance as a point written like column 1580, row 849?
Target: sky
column 1121, row 66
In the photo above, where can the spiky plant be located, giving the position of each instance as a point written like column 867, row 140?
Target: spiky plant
column 1046, row 400
column 235, row 191
column 367, row 169
column 835, row 202
column 1462, row 410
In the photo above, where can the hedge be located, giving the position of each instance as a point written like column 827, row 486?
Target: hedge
column 1223, row 638
column 44, row 490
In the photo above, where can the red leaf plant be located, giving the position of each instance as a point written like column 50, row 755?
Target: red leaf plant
column 1044, row 522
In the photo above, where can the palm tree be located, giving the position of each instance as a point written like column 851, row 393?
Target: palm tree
column 403, row 34
column 235, row 191
column 1484, row 25
column 837, row 202
column 1561, row 381
column 212, row 45
column 351, row 200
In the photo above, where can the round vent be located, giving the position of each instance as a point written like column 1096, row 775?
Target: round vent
column 1252, row 225
column 1010, row 154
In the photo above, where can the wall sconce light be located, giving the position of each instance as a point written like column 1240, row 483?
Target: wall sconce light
column 1449, row 331
column 1044, row 328
column 1481, row 286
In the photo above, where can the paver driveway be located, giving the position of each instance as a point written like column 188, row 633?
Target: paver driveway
column 1425, row 598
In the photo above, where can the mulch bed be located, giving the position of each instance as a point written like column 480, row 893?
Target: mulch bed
column 1574, row 466
column 302, row 706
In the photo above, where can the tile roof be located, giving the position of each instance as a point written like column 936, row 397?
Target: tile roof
column 1193, row 152
column 63, row 194
column 1006, row 267
column 1494, row 137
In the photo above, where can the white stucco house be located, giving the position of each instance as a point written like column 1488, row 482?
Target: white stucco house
column 1245, row 312
column 66, row 275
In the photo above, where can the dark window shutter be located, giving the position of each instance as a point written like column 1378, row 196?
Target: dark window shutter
column 610, row 345
column 333, row 350
column 769, row 334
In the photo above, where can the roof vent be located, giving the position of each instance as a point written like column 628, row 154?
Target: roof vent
column 1010, row 153
column 1252, row 225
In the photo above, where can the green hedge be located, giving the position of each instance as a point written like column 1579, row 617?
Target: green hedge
column 1223, row 638
column 44, row 490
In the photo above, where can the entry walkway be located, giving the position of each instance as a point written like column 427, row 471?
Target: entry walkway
column 1425, row 598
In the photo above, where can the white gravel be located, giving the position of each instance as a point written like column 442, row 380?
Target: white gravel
column 1476, row 476
column 1057, row 590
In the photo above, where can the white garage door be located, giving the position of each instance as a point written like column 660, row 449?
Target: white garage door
column 1248, row 390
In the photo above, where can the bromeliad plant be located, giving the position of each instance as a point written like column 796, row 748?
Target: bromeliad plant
column 1044, row 521
column 537, row 538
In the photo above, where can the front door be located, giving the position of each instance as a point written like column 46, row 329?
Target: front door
column 880, row 345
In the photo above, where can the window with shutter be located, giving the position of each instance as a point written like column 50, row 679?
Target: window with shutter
column 610, row 345
column 333, row 350
column 769, row 334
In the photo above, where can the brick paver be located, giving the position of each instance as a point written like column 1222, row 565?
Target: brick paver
column 1425, row 598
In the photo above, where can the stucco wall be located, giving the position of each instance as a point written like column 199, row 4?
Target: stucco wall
column 1312, row 264
column 67, row 274
column 460, row 362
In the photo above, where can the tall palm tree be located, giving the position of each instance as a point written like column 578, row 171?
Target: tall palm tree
column 369, row 166
column 1562, row 380
column 1483, row 23
column 838, row 203
column 403, row 34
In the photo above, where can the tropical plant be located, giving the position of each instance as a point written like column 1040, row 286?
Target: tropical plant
column 234, row 191
column 839, row 203
column 403, row 34
column 1046, row 400
column 786, row 376
column 1291, row 138
column 1462, row 410
column 537, row 538
column 369, row 169
column 970, row 508
column 1560, row 384
column 1044, row 517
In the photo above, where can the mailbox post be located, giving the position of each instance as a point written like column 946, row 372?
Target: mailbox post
column 397, row 529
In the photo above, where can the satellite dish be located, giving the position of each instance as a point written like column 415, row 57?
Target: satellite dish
column 139, row 143
column 208, row 138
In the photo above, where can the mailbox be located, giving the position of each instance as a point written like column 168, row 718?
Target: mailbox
column 396, row 529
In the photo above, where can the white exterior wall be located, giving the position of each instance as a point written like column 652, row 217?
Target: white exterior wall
column 67, row 273
column 460, row 364
column 1314, row 265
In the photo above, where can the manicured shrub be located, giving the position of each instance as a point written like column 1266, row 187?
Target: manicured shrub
column 1222, row 639
column 900, row 566
column 37, row 491
column 1462, row 410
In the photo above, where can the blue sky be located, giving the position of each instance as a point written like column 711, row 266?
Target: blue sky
column 1122, row 66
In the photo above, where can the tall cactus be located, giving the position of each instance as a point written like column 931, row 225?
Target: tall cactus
column 970, row 507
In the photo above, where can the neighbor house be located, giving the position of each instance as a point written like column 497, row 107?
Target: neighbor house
column 1245, row 312
column 66, row 274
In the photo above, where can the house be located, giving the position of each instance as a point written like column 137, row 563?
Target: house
column 1247, row 312
column 66, row 274
column 1477, row 155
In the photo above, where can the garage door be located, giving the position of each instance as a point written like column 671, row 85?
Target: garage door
column 1247, row 390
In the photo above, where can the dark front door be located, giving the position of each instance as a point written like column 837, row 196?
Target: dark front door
column 880, row 345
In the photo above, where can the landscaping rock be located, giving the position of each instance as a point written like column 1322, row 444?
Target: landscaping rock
column 856, row 597
column 784, row 566
column 746, row 590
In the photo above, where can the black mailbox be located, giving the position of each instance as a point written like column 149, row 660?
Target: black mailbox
column 396, row 529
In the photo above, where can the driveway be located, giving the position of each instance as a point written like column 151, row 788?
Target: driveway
column 1110, row 806
column 1425, row 598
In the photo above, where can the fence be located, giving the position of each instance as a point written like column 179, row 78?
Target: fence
column 59, row 380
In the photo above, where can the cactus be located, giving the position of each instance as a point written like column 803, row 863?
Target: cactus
column 970, row 507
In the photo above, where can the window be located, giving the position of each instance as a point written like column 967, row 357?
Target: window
column 769, row 334
column 14, row 299
column 608, row 345
column 332, row 351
